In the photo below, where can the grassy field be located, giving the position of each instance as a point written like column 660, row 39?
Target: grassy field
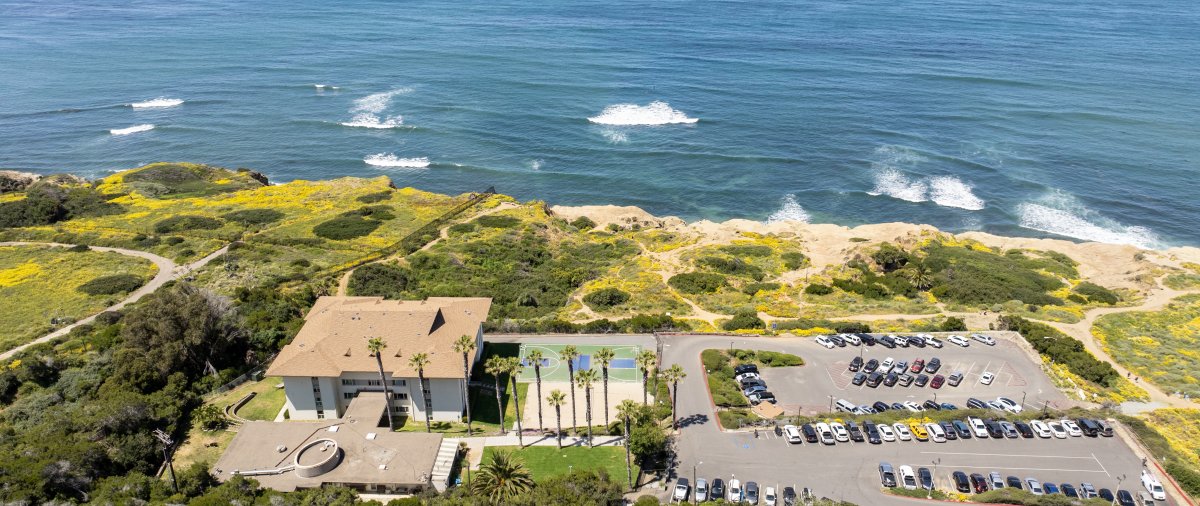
column 548, row 461
column 1161, row 346
column 40, row 283
column 266, row 403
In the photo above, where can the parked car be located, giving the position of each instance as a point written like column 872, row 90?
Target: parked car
column 1105, row 428
column 959, row 340
column 701, row 490
column 901, row 367
column 1124, row 498
column 993, row 429
column 1145, row 499
column 933, row 341
column 716, row 489
column 1087, row 490
column 761, row 397
column 1050, row 488
column 891, row 379
column 1009, row 405
column 881, row 406
column 856, row 363
column 746, row 376
column 1107, row 495
column 978, row 428
column 917, row 341
column 1034, row 486
column 1069, row 490
column 754, row 389
column 922, row 380
column 825, row 433
column 735, row 491
column 1023, row 429
column 995, row 405
column 900, row 341
column 839, row 432
column 946, row 406
column 769, row 496
column 905, row 380
column 871, row 365
column 960, row 482
column 925, row 478
column 918, row 365
column 902, row 432
column 745, row 368
column 867, row 339
column 681, row 490
column 963, row 430
column 886, row 432
column 789, row 496
column 887, row 475
column 931, row 405
column 850, row 339
column 859, row 378
column 954, row 379
column 996, row 480
column 912, row 406
column 872, row 433
column 856, row 434
column 937, row 381
column 1072, row 429
column 987, row 378
column 1058, row 430
column 887, row 364
column 973, row 403
column 874, row 379
column 908, row 478
column 792, row 434
column 1014, row 482
column 1153, row 486
column 918, row 431
column 978, row 483
column 1041, row 429
column 841, row 343
column 844, row 406
column 1089, row 427
column 1009, row 430
column 825, row 341
column 933, row 365
column 936, row 434
column 752, row 492
column 887, row 342
column 949, row 430
column 810, row 433
column 988, row 340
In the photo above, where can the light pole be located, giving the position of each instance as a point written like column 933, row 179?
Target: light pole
column 935, row 462
column 1118, row 489
column 166, row 440
column 695, row 483
column 1023, row 395
column 831, row 404
column 731, row 347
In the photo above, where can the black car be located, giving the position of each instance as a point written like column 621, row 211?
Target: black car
column 751, row 381
column 789, row 496
column 875, row 379
column 979, row 483
column 1014, row 482
column 1124, row 498
column 974, row 403
column 917, row 341
column 881, row 406
column 1024, row 429
column 994, row 430
column 891, row 379
column 931, row 405
column 1068, row 490
column 752, row 492
column 856, row 434
column 925, row 478
column 951, row 433
column 873, row 434
column 867, row 339
column 887, row 475
column 921, row 380
column 838, row 341
column 933, row 365
column 1107, row 495
column 887, row 342
column 871, row 365
column 1089, row 427
column 961, row 483
column 744, row 368
column 898, row 406
column 859, row 378
column 810, row 433
column 856, row 363
column 962, row 429
column 762, row 397
column 716, row 489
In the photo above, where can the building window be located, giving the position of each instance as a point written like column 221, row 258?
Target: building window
column 374, row 383
column 402, row 409
column 399, row 383
column 349, row 382
column 319, row 405
column 349, row 395
column 320, row 415
column 401, row 395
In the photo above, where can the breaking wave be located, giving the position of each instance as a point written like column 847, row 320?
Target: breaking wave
column 132, row 130
column 391, row 160
column 948, row 191
column 790, row 210
column 895, row 184
column 654, row 113
column 368, row 111
column 892, row 181
column 1063, row 214
column 157, row 103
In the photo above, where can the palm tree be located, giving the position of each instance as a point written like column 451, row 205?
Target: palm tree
column 513, row 367
column 557, row 399
column 502, row 478
column 919, row 275
column 419, row 361
column 586, row 379
column 535, row 357
column 376, row 345
column 570, row 353
column 465, row 345
column 647, row 360
column 673, row 375
column 495, row 366
column 626, row 410
column 604, row 356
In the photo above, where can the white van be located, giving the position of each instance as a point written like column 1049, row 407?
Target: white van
column 845, row 406
column 984, row 339
column 1153, row 486
column 978, row 427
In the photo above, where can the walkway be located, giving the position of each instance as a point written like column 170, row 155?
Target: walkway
column 167, row 271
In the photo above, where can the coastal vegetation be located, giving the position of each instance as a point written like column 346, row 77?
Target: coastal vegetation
column 1158, row 346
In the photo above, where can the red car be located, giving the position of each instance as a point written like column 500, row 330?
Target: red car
column 918, row 365
column 937, row 381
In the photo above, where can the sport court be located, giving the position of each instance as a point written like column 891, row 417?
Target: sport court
column 622, row 368
column 624, row 382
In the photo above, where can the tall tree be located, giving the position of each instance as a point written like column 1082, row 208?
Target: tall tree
column 376, row 345
column 919, row 275
column 495, row 366
column 673, row 375
column 647, row 361
column 465, row 345
column 570, row 353
column 502, row 478
column 626, row 410
column 419, row 361
column 535, row 357
column 557, row 399
column 514, row 368
column 604, row 357
column 586, row 379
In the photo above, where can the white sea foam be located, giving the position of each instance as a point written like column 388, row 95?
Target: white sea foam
column 950, row 191
column 131, row 130
column 157, row 103
column 535, row 164
column 368, row 111
column 326, row 87
column 892, row 181
column 391, row 160
column 896, row 184
column 615, row 136
column 1064, row 215
column 654, row 113
column 790, row 210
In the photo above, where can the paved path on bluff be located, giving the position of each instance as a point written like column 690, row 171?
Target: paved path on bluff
column 167, row 271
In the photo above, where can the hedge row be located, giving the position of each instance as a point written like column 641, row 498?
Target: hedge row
column 1062, row 349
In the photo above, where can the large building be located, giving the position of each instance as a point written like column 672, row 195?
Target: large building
column 328, row 363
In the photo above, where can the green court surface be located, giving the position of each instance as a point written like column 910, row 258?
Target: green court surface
column 623, row 366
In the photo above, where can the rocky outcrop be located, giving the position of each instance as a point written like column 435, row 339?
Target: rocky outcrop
column 13, row 181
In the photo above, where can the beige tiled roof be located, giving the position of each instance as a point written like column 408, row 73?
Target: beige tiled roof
column 336, row 330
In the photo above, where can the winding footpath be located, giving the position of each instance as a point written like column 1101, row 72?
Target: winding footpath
column 167, row 271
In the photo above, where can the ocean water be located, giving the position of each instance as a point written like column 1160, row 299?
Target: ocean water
column 1069, row 118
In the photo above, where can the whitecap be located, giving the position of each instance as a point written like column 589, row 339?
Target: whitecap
column 1062, row 214
column 535, row 164
column 368, row 110
column 790, row 210
column 132, row 130
column 326, row 87
column 615, row 136
column 654, row 113
column 157, row 103
column 949, row 191
column 367, row 120
column 896, row 184
column 391, row 160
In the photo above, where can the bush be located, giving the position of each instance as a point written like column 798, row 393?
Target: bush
column 1097, row 293
column 793, row 260
column 746, row 250
column 372, row 198
column 889, row 257
column 494, row 221
column 735, row 418
column 744, row 320
column 953, row 324
column 975, row 277
column 731, row 266
column 753, row 288
column 301, row 263
column 851, row 328
column 253, row 216
column 1063, row 349
column 647, row 500
column 381, row 213
column 1076, row 298
column 1188, row 479
column 345, row 227
column 818, row 289
column 777, row 359
column 605, row 298
column 185, row 222
column 697, row 282
column 583, row 223
column 462, row 228
column 389, row 281
column 111, row 285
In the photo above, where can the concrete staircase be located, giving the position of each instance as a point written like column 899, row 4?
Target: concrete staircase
column 444, row 464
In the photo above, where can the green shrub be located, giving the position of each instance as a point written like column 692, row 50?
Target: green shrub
column 462, row 228
column 818, row 289
column 1062, row 349
column 345, row 227
column 184, row 222
column 889, row 257
column 1076, row 298
column 1097, row 293
column 777, row 359
column 793, row 260
column 802, row 324
column 851, row 327
column 386, row 280
column 174, row 240
column 753, row 288
column 301, row 263
column 714, row 359
column 953, row 324
column 111, row 285
column 605, row 298
column 494, row 221
column 79, row 248
column 253, row 216
column 697, row 282
column 1188, row 478
column 732, row 267
column 744, row 320
column 647, row 500
column 381, row 213
column 583, row 223
column 975, row 277
column 746, row 250
column 372, row 198
column 735, row 418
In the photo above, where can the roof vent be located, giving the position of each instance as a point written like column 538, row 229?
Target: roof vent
column 370, row 436
column 347, row 352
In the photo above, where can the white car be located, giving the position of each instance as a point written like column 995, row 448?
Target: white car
column 701, row 490
column 851, row 339
column 987, row 378
column 735, row 491
column 901, row 341
column 1072, row 429
column 995, row 405
column 886, row 365
column 988, row 340
column 959, row 340
column 1041, row 429
column 792, row 433
column 770, row 496
column 1057, row 429
column 885, row 432
column 681, row 490
column 908, row 479
column 825, row 341
column 1153, row 486
column 933, row 341
column 747, row 375
column 936, row 433
column 914, row 407
column 839, row 432
column 902, row 432
column 1034, row 486
column 978, row 427
column 826, row 434
column 1009, row 405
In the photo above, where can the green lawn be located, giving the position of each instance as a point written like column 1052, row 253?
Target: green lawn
column 548, row 461
column 266, row 403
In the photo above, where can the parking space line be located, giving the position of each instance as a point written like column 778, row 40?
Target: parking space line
column 1010, row 455
column 1100, row 464
column 1028, row 469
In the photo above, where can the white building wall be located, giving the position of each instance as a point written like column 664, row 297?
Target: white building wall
column 446, row 397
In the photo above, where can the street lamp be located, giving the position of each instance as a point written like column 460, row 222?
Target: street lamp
column 695, row 483
column 1023, row 394
column 831, row 404
column 1118, row 489
column 935, row 462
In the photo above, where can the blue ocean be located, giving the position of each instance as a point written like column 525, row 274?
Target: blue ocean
column 1063, row 118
